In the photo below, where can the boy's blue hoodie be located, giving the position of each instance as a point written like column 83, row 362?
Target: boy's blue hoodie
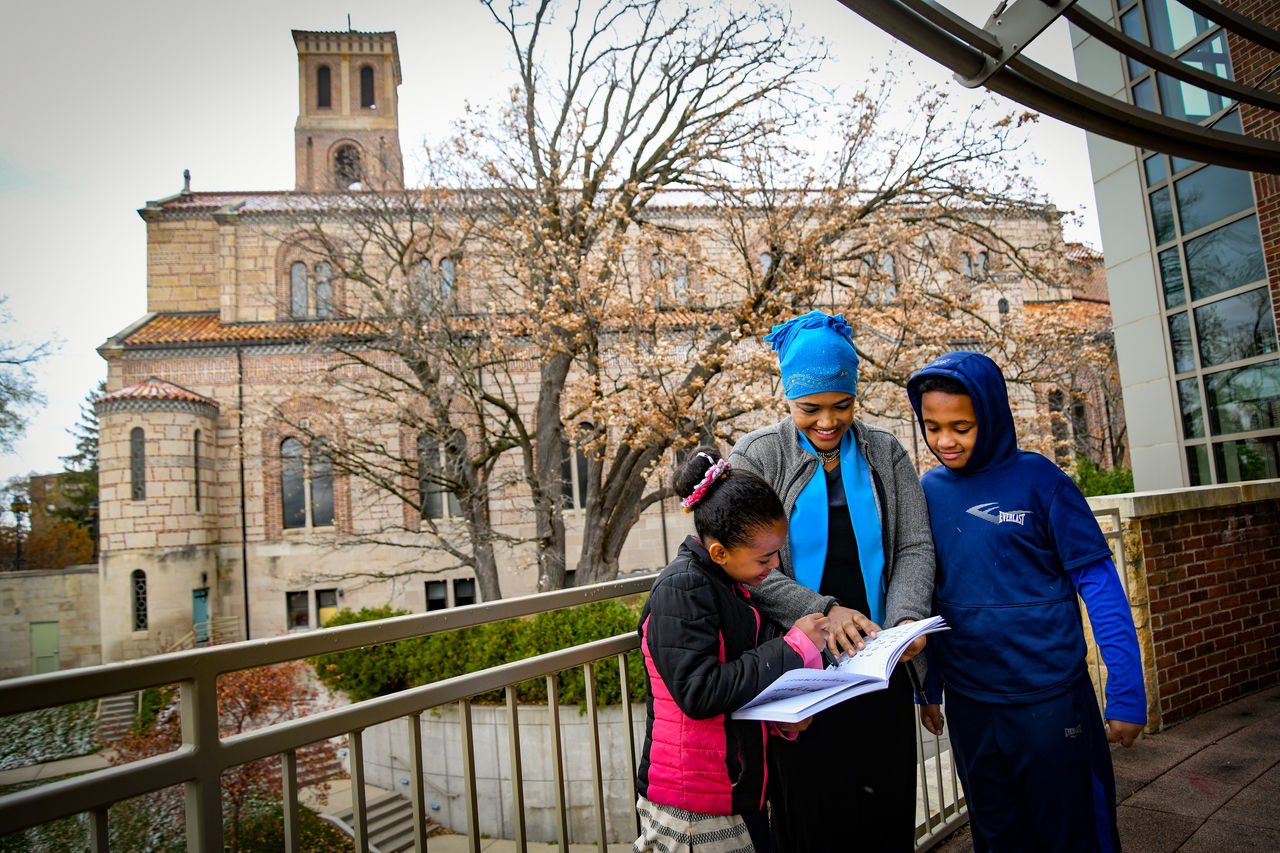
column 1016, row 541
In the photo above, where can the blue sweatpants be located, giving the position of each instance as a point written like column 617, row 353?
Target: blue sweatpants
column 1037, row 776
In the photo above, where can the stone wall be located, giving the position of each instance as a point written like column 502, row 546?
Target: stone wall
column 67, row 596
column 1207, row 561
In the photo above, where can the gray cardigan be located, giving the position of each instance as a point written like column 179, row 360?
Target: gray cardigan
column 775, row 454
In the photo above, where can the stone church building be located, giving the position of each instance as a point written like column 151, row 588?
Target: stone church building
column 213, row 504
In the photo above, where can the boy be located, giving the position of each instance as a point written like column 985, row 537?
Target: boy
column 1016, row 542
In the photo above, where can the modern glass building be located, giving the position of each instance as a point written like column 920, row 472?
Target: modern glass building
column 1192, row 251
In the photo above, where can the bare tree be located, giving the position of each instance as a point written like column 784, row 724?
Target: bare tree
column 18, row 392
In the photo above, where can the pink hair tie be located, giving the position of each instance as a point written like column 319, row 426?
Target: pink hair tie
column 715, row 472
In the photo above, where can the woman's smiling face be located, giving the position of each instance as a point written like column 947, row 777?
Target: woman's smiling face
column 824, row 418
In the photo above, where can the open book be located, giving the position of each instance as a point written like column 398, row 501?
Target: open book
column 801, row 693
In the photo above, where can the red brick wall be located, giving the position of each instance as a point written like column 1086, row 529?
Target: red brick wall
column 1214, row 582
column 1256, row 65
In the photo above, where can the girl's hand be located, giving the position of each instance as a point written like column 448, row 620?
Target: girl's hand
column 845, row 629
column 931, row 716
column 815, row 628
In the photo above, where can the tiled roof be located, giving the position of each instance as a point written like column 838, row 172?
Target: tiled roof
column 154, row 388
column 208, row 328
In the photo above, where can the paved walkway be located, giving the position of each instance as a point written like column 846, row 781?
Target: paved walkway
column 1208, row 785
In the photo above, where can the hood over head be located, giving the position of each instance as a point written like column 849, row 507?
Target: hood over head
column 997, row 439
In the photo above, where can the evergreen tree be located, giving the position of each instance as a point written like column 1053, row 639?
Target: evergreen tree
column 80, row 479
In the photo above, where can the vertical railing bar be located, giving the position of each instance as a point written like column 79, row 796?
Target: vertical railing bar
column 597, row 773
column 629, row 721
column 198, row 710
column 469, row 777
column 289, row 793
column 557, row 760
column 99, row 830
column 417, row 783
column 924, row 777
column 937, row 769
column 955, row 780
column 359, row 811
column 517, row 771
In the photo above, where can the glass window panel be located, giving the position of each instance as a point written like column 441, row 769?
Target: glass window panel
column 1236, row 328
column 1171, row 277
column 195, row 466
column 464, row 592
column 1144, row 94
column 1210, row 56
column 298, row 289
column 324, row 93
column 1229, row 123
column 293, row 501
column 296, row 607
column 1131, row 25
column 1227, row 257
column 437, row 595
column 366, row 86
column 321, row 484
column 1180, row 341
column 1181, row 164
column 1198, row 465
column 1162, row 216
column 326, row 605
column 448, row 275
column 324, row 289
column 137, row 464
column 1248, row 459
column 1136, row 68
column 1244, row 399
column 1156, row 169
column 1187, row 102
column 1192, row 414
column 1172, row 25
column 1210, row 194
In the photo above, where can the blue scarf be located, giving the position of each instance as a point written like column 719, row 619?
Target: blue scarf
column 808, row 524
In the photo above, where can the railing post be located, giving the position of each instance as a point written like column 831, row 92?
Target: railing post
column 629, row 722
column 597, row 774
column 359, row 808
column 198, row 709
column 517, row 771
column 557, row 760
column 289, row 794
column 469, row 777
column 99, row 831
column 417, row 784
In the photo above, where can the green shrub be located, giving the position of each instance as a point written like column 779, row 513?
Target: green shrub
column 376, row 671
column 1093, row 481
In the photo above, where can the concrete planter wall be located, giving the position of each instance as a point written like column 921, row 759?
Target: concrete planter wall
column 387, row 763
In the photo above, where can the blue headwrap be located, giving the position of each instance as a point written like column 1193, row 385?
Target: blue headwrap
column 816, row 354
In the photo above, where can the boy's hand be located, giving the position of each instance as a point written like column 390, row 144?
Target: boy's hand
column 815, row 628
column 845, row 629
column 931, row 716
column 1123, row 733
column 795, row 727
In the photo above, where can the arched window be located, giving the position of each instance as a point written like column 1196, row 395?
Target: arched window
column 138, row 590
column 306, row 490
column 448, row 275
column 195, row 467
column 321, row 484
column 434, row 500
column 324, row 87
column 298, row 289
column 766, row 263
column 966, row 265
column 347, row 171
column 137, row 464
column 574, row 468
column 366, row 87
column 1003, row 307
column 980, row 266
column 293, row 501
column 324, row 290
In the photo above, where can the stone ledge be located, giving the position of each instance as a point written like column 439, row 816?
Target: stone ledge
column 1164, row 502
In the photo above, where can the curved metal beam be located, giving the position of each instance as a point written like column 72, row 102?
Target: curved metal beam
column 948, row 39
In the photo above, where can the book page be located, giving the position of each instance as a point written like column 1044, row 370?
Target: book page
column 880, row 656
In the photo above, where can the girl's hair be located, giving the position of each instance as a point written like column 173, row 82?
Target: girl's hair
column 733, row 506
column 945, row 384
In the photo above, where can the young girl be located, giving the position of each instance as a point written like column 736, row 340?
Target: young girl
column 702, row 775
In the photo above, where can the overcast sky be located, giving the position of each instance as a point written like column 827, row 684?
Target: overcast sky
column 107, row 103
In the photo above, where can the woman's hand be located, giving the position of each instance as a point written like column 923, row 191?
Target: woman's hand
column 845, row 629
column 931, row 716
column 815, row 628
column 916, row 647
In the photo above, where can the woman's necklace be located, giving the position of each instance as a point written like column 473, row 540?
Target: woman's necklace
column 828, row 456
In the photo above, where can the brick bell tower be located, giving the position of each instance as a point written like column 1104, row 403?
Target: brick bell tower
column 348, row 130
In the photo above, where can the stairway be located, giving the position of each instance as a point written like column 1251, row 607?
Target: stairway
column 115, row 715
column 390, row 824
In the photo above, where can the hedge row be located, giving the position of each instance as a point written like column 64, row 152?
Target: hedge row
column 378, row 670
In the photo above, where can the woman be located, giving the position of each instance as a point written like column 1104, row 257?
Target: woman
column 860, row 551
